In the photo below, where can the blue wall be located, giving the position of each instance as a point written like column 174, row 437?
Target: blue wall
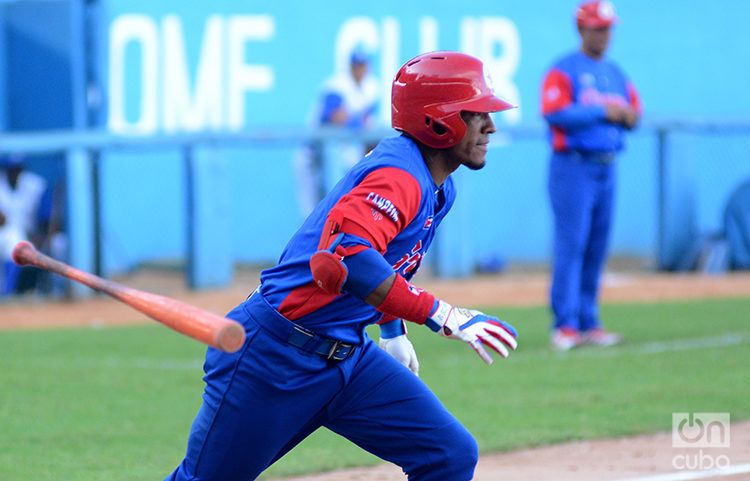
column 39, row 57
column 675, row 56
column 3, row 68
column 171, row 67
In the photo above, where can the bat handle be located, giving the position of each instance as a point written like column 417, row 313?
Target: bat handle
column 220, row 332
column 23, row 252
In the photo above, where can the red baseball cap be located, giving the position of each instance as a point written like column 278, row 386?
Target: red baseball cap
column 596, row 14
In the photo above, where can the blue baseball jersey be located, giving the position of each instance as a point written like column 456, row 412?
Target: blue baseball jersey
column 574, row 94
column 390, row 196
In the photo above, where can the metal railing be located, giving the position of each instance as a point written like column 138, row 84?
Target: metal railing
column 82, row 148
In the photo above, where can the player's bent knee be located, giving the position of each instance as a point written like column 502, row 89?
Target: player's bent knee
column 466, row 459
column 454, row 459
column 461, row 456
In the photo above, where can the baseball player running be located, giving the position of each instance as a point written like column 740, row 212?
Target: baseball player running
column 307, row 361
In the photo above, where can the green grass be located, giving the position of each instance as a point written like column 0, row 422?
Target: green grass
column 116, row 403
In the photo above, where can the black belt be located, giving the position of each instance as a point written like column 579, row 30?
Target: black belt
column 269, row 318
column 331, row 349
column 593, row 156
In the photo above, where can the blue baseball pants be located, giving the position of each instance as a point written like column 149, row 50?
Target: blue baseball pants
column 581, row 191
column 263, row 400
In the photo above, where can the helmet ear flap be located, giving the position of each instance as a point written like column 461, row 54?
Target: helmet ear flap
column 444, row 132
column 437, row 127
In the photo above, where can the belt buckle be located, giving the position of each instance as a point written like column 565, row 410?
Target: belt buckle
column 332, row 351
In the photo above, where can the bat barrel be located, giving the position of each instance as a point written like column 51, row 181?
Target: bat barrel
column 204, row 326
column 230, row 337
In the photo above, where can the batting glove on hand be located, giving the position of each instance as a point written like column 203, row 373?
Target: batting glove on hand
column 402, row 350
column 474, row 328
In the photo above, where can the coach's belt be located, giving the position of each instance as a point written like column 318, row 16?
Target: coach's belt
column 594, row 156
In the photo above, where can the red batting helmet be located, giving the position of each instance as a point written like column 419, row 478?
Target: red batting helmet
column 596, row 14
column 431, row 90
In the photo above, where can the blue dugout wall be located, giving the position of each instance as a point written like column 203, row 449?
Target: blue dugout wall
column 174, row 68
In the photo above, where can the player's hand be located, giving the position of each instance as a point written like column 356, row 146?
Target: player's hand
column 630, row 117
column 401, row 348
column 475, row 328
column 615, row 112
column 622, row 114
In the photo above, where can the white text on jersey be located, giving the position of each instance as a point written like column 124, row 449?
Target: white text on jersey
column 384, row 205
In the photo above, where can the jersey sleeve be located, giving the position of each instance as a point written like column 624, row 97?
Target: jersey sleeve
column 332, row 101
column 557, row 92
column 377, row 209
column 558, row 104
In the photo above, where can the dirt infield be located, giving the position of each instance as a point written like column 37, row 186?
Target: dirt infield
column 640, row 458
column 643, row 458
column 506, row 290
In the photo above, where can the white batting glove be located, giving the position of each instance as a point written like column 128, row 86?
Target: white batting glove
column 473, row 327
column 401, row 348
column 393, row 340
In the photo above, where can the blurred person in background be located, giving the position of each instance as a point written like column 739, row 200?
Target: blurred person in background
column 589, row 104
column 348, row 99
column 24, row 215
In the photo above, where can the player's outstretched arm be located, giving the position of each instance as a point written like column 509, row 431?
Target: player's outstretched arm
column 361, row 274
column 397, row 297
column 475, row 328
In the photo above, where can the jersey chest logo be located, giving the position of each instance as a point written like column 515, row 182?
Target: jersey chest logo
column 410, row 261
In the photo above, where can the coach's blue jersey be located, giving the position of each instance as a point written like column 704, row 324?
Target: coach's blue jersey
column 408, row 186
column 575, row 92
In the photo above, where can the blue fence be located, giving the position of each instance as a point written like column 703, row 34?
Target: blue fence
column 669, row 197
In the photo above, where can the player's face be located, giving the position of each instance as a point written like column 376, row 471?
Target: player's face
column 595, row 41
column 472, row 150
column 359, row 70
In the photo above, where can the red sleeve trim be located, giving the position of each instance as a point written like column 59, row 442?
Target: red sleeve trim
column 557, row 92
column 407, row 302
column 378, row 208
column 559, row 140
column 633, row 98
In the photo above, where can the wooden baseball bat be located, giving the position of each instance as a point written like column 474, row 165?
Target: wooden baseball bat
column 204, row 326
